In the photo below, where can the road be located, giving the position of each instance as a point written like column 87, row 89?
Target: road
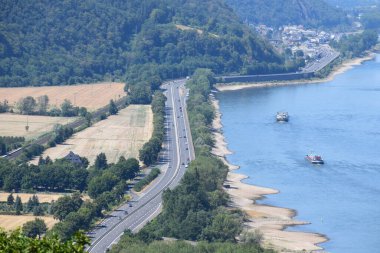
column 178, row 151
column 327, row 55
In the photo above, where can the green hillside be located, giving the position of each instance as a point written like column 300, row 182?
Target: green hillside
column 47, row 42
column 310, row 13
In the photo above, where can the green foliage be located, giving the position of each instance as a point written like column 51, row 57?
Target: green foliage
column 100, row 161
column 150, row 150
column 112, row 108
column 4, row 106
column 310, row 13
column 195, row 210
column 8, row 143
column 17, row 242
column 57, row 176
column 65, row 205
column 10, row 200
column 354, row 45
column 132, row 244
column 371, row 19
column 26, row 105
column 124, row 39
column 34, row 228
column 18, row 205
column 106, row 187
column 147, row 179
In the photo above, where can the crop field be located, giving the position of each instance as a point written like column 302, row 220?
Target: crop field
column 14, row 124
column 91, row 96
column 42, row 197
column 12, row 222
column 119, row 135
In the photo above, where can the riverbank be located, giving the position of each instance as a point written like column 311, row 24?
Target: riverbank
column 346, row 65
column 269, row 220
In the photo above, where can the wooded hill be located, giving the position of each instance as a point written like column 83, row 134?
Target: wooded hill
column 66, row 42
column 310, row 13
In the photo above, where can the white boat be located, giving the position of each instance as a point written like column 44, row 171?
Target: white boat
column 282, row 117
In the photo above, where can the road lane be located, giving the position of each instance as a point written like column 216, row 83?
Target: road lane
column 148, row 205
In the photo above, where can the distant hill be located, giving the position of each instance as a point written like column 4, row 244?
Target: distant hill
column 310, row 13
column 47, row 42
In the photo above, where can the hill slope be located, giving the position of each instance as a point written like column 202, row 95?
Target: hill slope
column 310, row 13
column 65, row 42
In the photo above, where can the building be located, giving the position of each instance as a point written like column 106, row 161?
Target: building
column 73, row 158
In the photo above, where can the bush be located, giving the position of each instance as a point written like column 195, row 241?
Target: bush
column 146, row 180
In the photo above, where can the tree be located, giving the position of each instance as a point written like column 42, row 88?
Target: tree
column 101, row 161
column 32, row 203
column 18, row 242
column 38, row 211
column 112, row 108
column 18, row 205
column 65, row 205
column 67, row 109
column 43, row 103
column 34, row 228
column 26, row 105
column 10, row 200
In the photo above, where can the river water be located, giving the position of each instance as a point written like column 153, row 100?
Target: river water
column 339, row 120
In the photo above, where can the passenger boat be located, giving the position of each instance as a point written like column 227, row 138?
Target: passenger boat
column 314, row 159
column 282, row 117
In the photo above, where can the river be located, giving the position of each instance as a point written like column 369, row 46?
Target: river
column 339, row 120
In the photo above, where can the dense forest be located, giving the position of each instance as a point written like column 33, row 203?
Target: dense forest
column 132, row 244
column 355, row 45
column 310, row 13
column 66, row 42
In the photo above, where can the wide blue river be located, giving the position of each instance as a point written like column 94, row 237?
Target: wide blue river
column 339, row 120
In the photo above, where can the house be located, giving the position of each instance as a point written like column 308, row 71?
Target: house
column 73, row 158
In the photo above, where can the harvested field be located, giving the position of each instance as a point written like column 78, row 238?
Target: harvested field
column 91, row 96
column 14, row 124
column 119, row 135
column 42, row 197
column 11, row 222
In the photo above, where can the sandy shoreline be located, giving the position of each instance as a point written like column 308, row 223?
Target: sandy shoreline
column 270, row 220
column 349, row 64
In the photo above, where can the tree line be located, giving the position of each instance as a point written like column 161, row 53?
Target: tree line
column 8, row 143
column 150, row 150
column 355, row 45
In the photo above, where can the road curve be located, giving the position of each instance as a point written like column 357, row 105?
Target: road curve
column 177, row 153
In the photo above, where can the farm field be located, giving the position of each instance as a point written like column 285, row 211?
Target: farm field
column 119, row 135
column 11, row 222
column 14, row 124
column 42, row 197
column 91, row 96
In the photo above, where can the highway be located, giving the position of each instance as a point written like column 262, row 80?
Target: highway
column 178, row 151
column 327, row 55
